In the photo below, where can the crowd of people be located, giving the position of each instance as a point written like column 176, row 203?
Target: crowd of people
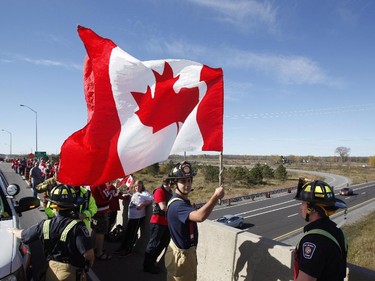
column 80, row 218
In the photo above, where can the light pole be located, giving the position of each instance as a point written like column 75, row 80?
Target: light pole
column 10, row 140
column 36, row 125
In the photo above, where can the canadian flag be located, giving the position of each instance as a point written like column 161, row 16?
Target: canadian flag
column 127, row 181
column 140, row 112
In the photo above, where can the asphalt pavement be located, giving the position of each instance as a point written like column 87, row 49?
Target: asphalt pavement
column 119, row 269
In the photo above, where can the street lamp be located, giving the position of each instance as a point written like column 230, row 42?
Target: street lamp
column 36, row 125
column 10, row 140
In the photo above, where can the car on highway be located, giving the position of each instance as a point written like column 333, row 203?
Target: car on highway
column 14, row 260
column 346, row 191
column 232, row 220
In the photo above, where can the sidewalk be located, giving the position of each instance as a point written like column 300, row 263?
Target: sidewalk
column 129, row 268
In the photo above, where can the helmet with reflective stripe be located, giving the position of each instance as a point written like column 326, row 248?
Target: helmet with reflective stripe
column 182, row 170
column 319, row 192
column 65, row 196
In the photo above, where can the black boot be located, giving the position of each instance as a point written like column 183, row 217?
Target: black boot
column 149, row 264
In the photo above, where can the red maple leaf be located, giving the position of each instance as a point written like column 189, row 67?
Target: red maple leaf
column 167, row 106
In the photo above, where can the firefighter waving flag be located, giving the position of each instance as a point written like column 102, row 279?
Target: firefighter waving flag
column 140, row 112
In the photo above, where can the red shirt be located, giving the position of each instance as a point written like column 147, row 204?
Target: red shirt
column 114, row 204
column 102, row 197
column 159, row 196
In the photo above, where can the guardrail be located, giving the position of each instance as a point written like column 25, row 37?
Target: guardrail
column 252, row 196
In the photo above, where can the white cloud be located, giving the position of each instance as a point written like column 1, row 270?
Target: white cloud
column 46, row 62
column 247, row 14
column 43, row 62
column 306, row 112
column 288, row 70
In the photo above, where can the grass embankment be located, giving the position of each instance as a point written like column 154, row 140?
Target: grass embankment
column 361, row 240
column 356, row 172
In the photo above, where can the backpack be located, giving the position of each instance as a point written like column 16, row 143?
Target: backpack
column 116, row 233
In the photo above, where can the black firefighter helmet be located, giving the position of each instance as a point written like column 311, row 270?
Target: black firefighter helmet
column 320, row 193
column 65, row 196
column 181, row 170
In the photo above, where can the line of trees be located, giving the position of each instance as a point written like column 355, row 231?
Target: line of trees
column 256, row 175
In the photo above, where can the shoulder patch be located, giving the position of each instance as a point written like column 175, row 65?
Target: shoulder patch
column 308, row 250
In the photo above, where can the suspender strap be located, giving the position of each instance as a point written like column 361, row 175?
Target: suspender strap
column 326, row 234
column 173, row 200
column 191, row 225
column 191, row 229
column 64, row 234
column 46, row 225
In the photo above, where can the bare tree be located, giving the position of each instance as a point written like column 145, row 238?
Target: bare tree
column 343, row 152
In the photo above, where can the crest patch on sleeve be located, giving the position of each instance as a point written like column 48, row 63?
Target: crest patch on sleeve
column 308, row 250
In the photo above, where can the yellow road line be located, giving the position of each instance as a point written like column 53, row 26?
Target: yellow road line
column 333, row 216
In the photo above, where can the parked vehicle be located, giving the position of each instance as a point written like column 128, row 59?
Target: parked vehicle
column 231, row 220
column 13, row 262
column 346, row 191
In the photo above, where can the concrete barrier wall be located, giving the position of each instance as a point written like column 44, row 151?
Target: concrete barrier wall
column 226, row 254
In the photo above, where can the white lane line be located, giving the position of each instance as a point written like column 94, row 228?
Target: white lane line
column 274, row 210
column 247, row 202
column 266, row 207
column 293, row 215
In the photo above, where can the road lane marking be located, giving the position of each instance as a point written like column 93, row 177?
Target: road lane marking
column 274, row 210
column 266, row 207
column 338, row 213
column 293, row 215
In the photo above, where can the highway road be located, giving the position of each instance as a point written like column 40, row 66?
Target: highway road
column 279, row 217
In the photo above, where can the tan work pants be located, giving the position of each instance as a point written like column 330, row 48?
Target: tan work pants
column 58, row 271
column 181, row 264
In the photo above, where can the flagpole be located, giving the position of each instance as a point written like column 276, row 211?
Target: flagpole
column 220, row 172
column 221, row 169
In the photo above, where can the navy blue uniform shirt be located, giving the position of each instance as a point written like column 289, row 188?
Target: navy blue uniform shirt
column 180, row 227
column 319, row 256
column 77, row 243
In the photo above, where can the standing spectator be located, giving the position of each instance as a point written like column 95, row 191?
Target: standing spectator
column 42, row 167
column 35, row 178
column 125, row 186
column 66, row 241
column 48, row 171
column 181, row 256
column 136, row 213
column 16, row 165
column 23, row 166
column 159, row 237
column 322, row 251
column 100, row 220
column 46, row 176
column 114, row 205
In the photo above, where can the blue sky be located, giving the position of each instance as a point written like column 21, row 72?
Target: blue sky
column 299, row 75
